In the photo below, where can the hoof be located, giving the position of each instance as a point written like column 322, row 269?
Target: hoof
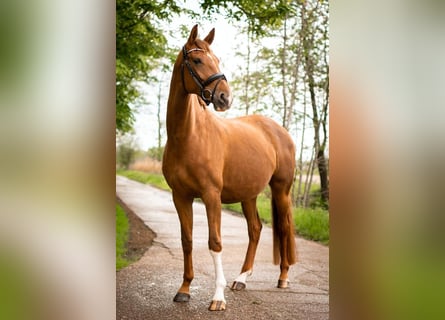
column 181, row 297
column 217, row 306
column 282, row 284
column 238, row 286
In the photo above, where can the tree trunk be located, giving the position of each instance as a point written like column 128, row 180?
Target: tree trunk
column 320, row 159
column 283, row 76
column 323, row 172
column 300, row 198
column 319, row 148
column 247, row 81
column 158, row 115
column 308, row 182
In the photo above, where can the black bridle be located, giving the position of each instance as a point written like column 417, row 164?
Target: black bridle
column 206, row 94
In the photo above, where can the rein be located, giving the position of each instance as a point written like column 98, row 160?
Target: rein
column 206, row 94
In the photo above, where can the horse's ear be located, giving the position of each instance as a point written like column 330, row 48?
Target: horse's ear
column 193, row 34
column 210, row 36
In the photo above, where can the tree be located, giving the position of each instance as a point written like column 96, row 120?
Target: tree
column 314, row 32
column 259, row 17
column 253, row 77
column 259, row 14
column 283, row 71
column 139, row 46
column 125, row 151
column 286, row 73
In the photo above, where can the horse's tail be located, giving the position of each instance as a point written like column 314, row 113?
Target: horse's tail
column 283, row 231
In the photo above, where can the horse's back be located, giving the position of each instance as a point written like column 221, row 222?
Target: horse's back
column 279, row 137
column 276, row 133
column 266, row 132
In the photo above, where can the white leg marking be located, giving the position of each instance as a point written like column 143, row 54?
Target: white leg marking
column 243, row 276
column 220, row 281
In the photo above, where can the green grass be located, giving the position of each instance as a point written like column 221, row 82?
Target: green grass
column 122, row 228
column 312, row 224
column 263, row 206
column 155, row 179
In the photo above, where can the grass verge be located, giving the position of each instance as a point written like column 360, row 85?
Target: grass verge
column 122, row 228
column 312, row 224
column 155, row 179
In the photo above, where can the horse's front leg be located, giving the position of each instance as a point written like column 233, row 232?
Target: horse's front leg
column 254, row 227
column 185, row 212
column 213, row 208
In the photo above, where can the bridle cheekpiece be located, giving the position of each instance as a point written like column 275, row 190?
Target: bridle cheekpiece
column 206, row 94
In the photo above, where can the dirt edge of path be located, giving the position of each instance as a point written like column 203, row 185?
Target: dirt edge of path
column 140, row 237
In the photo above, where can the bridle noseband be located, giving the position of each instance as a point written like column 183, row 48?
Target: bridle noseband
column 206, row 94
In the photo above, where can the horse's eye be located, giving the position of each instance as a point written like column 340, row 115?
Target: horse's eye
column 197, row 61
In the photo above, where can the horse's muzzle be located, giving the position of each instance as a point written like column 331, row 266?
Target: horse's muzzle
column 222, row 101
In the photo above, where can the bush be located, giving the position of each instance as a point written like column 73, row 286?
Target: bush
column 125, row 156
column 156, row 153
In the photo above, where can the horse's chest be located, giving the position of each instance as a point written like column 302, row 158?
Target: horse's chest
column 187, row 173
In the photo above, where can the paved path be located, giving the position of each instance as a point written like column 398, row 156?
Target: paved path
column 145, row 289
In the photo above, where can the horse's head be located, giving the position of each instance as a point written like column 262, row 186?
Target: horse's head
column 201, row 74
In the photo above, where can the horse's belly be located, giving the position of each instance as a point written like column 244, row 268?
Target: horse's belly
column 233, row 196
column 248, row 171
column 243, row 186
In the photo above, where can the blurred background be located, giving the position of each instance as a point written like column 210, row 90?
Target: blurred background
column 61, row 114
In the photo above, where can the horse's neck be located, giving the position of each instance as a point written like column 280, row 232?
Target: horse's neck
column 183, row 111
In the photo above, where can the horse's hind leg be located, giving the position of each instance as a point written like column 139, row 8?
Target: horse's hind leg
column 254, row 228
column 283, row 229
column 185, row 213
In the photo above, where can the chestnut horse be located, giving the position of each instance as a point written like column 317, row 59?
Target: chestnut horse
column 224, row 161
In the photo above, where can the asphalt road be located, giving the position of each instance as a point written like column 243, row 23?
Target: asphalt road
column 145, row 289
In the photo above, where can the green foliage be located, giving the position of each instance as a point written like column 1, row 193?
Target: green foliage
column 259, row 13
column 125, row 155
column 156, row 153
column 140, row 44
column 317, row 201
column 122, row 228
